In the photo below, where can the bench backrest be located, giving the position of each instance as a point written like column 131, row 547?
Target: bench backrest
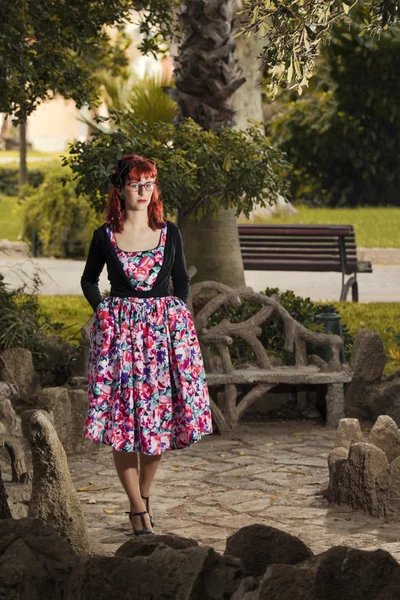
column 299, row 247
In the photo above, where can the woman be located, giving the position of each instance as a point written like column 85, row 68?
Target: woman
column 147, row 388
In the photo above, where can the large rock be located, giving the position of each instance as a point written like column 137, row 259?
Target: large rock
column 18, row 498
column 368, row 358
column 53, row 495
column 364, row 480
column 9, row 417
column 386, row 435
column 79, row 405
column 258, row 546
column 385, row 400
column 17, row 369
column 197, row 573
column 285, row 582
column 357, row 399
column 338, row 574
column 393, row 496
column 146, row 544
column 34, row 561
column 56, row 401
column 348, row 433
column 9, row 390
column 336, row 460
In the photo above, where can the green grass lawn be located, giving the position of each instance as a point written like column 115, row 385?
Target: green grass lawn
column 382, row 317
column 31, row 154
column 10, row 222
column 374, row 227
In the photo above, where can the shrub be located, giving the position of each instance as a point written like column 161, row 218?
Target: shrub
column 9, row 177
column 343, row 136
column 23, row 324
column 63, row 223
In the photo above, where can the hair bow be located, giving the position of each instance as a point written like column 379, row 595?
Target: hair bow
column 118, row 178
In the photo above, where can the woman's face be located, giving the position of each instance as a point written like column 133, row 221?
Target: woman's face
column 138, row 193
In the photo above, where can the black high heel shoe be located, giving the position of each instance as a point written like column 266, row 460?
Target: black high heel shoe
column 145, row 529
column 152, row 518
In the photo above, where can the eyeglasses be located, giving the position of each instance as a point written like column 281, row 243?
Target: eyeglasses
column 137, row 187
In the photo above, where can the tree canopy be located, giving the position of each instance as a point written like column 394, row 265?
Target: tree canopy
column 46, row 47
column 294, row 30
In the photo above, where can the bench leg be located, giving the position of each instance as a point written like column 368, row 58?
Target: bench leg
column 334, row 404
column 354, row 291
column 352, row 281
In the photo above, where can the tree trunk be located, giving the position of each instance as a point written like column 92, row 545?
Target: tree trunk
column 5, row 512
column 206, row 78
column 23, row 169
column 212, row 246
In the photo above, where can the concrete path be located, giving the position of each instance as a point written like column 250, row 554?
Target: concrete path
column 270, row 473
column 63, row 277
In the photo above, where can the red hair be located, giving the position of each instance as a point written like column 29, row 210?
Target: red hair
column 114, row 211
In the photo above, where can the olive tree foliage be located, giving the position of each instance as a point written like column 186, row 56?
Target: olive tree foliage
column 295, row 29
column 47, row 47
column 199, row 171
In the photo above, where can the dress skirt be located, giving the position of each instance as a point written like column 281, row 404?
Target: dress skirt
column 147, row 385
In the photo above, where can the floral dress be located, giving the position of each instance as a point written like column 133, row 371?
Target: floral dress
column 147, row 385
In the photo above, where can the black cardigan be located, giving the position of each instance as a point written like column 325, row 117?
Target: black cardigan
column 102, row 252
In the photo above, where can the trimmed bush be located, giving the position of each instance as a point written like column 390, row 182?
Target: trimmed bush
column 63, row 223
column 9, row 176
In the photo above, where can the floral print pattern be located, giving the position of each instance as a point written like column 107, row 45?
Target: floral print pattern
column 141, row 268
column 147, row 387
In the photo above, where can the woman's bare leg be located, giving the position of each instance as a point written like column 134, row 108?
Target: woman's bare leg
column 148, row 468
column 126, row 464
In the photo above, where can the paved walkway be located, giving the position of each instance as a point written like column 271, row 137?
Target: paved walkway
column 63, row 277
column 270, row 473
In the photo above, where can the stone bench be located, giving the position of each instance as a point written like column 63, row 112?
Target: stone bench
column 221, row 372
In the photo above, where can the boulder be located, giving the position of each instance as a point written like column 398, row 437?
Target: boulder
column 336, row 459
column 17, row 369
column 146, row 544
column 364, row 480
column 56, row 401
column 357, row 400
column 347, row 433
column 9, row 390
column 340, row 573
column 9, row 417
column 18, row 497
column 393, row 496
column 54, row 498
column 258, row 546
column 348, row 574
column 386, row 435
column 78, row 400
column 368, row 358
column 285, row 582
column 195, row 573
column 385, row 400
column 34, row 560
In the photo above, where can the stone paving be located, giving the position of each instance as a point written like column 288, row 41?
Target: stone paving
column 272, row 473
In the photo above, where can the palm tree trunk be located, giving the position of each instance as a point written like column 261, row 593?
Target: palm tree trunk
column 206, row 78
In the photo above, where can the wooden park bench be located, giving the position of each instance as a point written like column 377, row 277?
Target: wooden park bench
column 304, row 248
column 216, row 340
